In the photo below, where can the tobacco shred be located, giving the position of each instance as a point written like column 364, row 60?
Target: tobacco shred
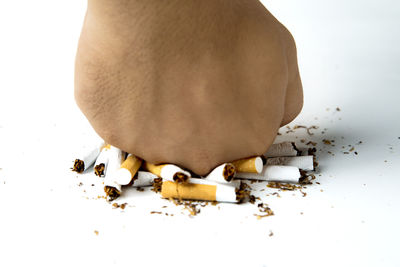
column 155, row 212
column 99, row 169
column 111, row 192
column 79, row 166
column 229, row 172
column 263, row 207
column 283, row 186
column 243, row 193
column 326, row 142
column 180, row 177
column 157, row 184
column 308, row 129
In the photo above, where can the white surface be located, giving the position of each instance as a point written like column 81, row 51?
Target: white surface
column 349, row 58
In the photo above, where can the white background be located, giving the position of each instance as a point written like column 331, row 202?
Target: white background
column 348, row 57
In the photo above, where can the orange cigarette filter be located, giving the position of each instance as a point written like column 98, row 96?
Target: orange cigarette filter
column 188, row 191
column 155, row 169
column 252, row 164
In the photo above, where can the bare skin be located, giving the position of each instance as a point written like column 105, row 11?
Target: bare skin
column 194, row 83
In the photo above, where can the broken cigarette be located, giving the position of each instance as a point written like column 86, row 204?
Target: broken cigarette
column 87, row 157
column 253, row 165
column 100, row 166
column 288, row 174
column 111, row 187
column 224, row 173
column 168, row 172
column 302, row 162
column 128, row 169
column 144, row 178
column 282, row 150
column 199, row 189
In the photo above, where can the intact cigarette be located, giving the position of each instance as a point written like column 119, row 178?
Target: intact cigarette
column 253, row 164
column 128, row 169
column 100, row 166
column 282, row 150
column 302, row 162
column 144, row 179
column 168, row 172
column 199, row 190
column 224, row 173
column 288, row 174
column 87, row 157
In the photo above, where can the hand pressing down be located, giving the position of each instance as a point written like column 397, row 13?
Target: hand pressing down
column 193, row 83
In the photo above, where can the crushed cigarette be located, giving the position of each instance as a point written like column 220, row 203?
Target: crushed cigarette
column 199, row 189
column 168, row 172
column 284, row 149
column 87, row 157
column 112, row 192
column 301, row 162
column 144, row 178
column 100, row 166
column 128, row 169
column 289, row 174
column 224, row 173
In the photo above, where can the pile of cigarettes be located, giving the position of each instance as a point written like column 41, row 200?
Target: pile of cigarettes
column 282, row 163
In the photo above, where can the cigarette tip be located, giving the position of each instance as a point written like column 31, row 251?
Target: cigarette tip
column 111, row 192
column 79, row 166
column 229, row 172
column 180, row 177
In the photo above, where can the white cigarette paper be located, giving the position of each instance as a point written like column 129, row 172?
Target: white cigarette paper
column 217, row 175
column 103, row 158
column 169, row 171
column 281, row 150
column 116, row 156
column 289, row 174
column 233, row 183
column 302, row 162
column 144, row 179
column 88, row 155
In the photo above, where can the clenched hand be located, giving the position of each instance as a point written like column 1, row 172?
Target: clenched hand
column 194, row 83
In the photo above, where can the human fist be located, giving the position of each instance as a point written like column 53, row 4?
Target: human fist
column 193, row 83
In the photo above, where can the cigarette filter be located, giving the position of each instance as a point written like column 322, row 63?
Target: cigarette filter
column 302, row 162
column 144, row 179
column 87, row 156
column 199, row 190
column 100, row 166
column 253, row 164
column 128, row 169
column 288, row 174
column 282, row 150
column 224, row 173
column 168, row 172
